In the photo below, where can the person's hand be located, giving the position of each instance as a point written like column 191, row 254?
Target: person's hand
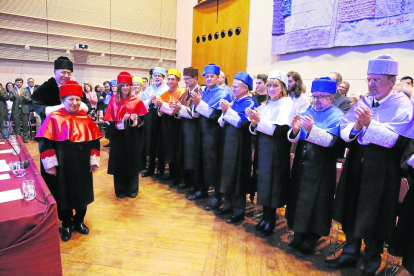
column 176, row 106
column 296, row 124
column 307, row 122
column 362, row 116
column 225, row 105
column 126, row 116
column 93, row 169
column 158, row 102
column 51, row 171
column 196, row 98
column 254, row 116
column 134, row 117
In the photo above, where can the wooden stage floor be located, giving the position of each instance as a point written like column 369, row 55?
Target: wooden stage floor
column 162, row 233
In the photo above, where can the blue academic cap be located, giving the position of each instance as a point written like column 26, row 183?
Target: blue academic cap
column 325, row 84
column 211, row 69
column 160, row 70
column 244, row 77
column 112, row 83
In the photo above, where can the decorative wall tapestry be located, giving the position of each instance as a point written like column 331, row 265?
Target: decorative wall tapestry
column 300, row 25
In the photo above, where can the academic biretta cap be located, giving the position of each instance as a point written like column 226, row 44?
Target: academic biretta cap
column 190, row 71
column 211, row 69
column 124, row 77
column 325, row 84
column 63, row 63
column 279, row 75
column 174, row 72
column 70, row 88
column 383, row 65
column 244, row 77
column 159, row 70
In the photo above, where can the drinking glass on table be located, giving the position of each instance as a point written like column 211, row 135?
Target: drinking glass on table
column 29, row 191
column 17, row 167
column 13, row 166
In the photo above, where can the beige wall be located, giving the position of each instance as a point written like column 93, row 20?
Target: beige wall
column 351, row 62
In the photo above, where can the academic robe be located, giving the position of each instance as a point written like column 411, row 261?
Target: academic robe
column 313, row 176
column 48, row 95
column 126, row 145
column 237, row 161
column 71, row 143
column 170, row 127
column 367, row 193
column 273, row 152
column 402, row 243
column 210, row 134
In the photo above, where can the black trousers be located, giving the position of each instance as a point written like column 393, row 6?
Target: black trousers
column 4, row 129
column 67, row 217
column 237, row 202
column 25, row 122
column 126, row 184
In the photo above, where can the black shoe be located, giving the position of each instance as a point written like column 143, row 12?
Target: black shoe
column 235, row 218
column 305, row 249
column 268, row 229
column 107, row 145
column 133, row 195
column 167, row 176
column 344, row 260
column 81, row 228
column 198, row 195
column 147, row 173
column 182, row 186
column 159, row 174
column 213, row 205
column 66, row 234
column 121, row 196
column 260, row 225
column 192, row 191
column 226, row 209
column 294, row 245
column 176, row 182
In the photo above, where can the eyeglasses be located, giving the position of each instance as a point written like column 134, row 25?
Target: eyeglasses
column 320, row 97
column 63, row 73
column 236, row 86
column 369, row 80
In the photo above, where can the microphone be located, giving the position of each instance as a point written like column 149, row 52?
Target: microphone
column 26, row 163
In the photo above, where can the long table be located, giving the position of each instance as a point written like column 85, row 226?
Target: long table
column 29, row 234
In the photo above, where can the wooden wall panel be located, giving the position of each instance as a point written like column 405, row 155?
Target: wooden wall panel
column 230, row 53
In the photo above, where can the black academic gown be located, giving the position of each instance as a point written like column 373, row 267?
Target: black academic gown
column 48, row 95
column 312, row 188
column 367, row 193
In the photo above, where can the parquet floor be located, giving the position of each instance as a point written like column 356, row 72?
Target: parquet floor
column 162, row 233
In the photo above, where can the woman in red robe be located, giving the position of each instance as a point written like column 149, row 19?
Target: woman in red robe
column 69, row 151
column 125, row 160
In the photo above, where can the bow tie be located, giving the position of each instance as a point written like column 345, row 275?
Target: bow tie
column 375, row 104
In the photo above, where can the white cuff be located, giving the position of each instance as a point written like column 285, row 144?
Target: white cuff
column 294, row 140
column 252, row 129
column 320, row 137
column 346, row 133
column 221, row 121
column 266, row 127
column 232, row 117
column 411, row 161
column 50, row 109
column 94, row 160
column 165, row 108
column 184, row 112
column 84, row 107
column 50, row 162
column 380, row 135
column 204, row 109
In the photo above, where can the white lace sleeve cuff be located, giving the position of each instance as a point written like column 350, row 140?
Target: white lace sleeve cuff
column 294, row 140
column 49, row 159
column 266, row 127
column 346, row 133
column 320, row 137
column 221, row 121
column 184, row 112
column 379, row 134
column 165, row 108
column 252, row 129
column 95, row 158
column 204, row 109
column 411, row 161
column 232, row 117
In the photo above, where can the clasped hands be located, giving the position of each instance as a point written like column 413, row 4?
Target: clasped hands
column 254, row 115
column 362, row 116
column 224, row 105
column 299, row 121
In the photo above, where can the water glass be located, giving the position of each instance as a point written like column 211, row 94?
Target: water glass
column 29, row 192
column 17, row 167
column 13, row 166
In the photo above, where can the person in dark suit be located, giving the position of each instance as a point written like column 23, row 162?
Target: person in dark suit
column 4, row 96
column 340, row 100
column 20, row 97
column 32, row 88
